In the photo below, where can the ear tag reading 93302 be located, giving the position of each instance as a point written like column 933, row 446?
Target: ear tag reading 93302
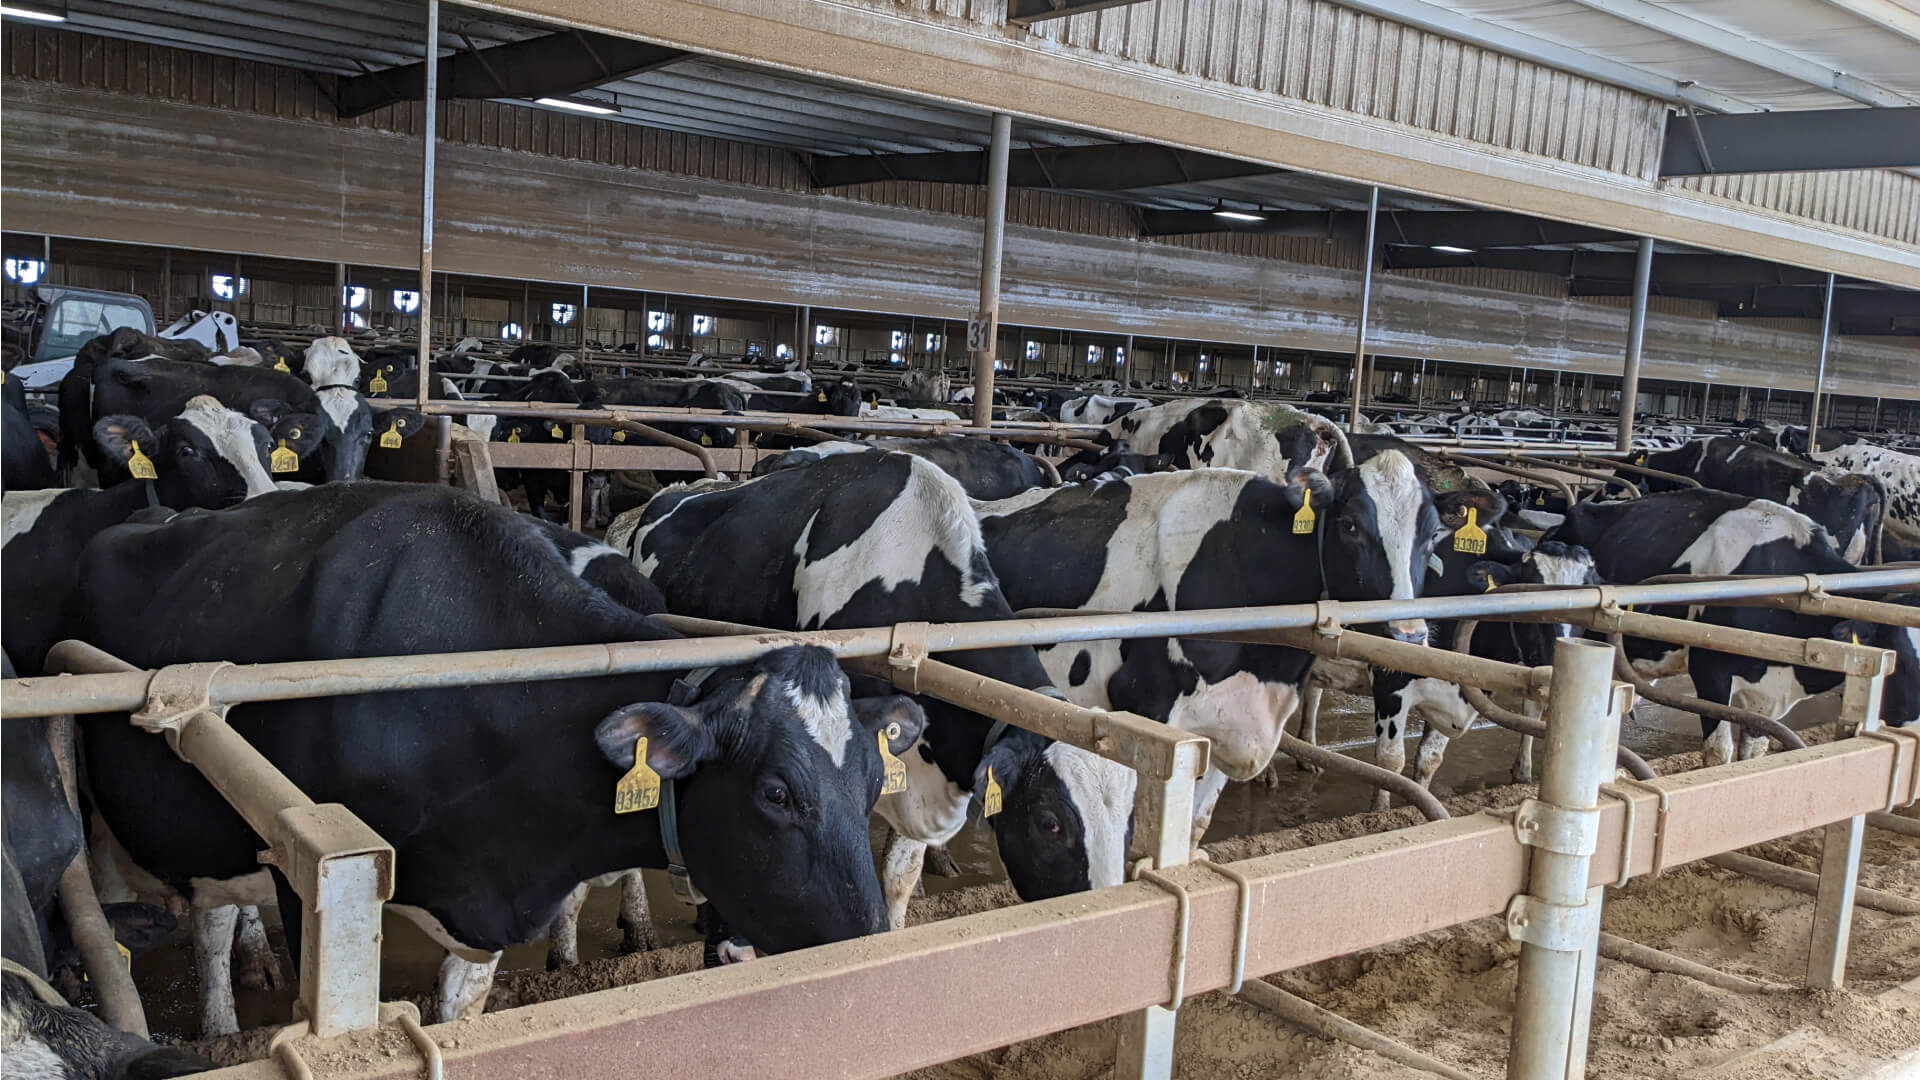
column 640, row 788
column 1304, row 518
column 1470, row 538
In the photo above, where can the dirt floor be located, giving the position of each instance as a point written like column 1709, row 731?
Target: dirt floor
column 1448, row 994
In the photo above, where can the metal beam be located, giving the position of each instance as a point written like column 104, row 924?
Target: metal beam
column 1636, row 337
column 1477, row 229
column 1107, row 167
column 1886, row 14
column 1817, row 139
column 1682, row 27
column 552, row 65
column 1027, row 12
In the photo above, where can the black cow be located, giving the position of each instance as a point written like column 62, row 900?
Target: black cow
column 498, row 799
column 76, row 387
column 1209, row 538
column 547, row 387
column 1849, row 506
column 1714, row 532
column 24, row 465
column 986, row 469
column 870, row 540
column 716, row 394
column 208, row 456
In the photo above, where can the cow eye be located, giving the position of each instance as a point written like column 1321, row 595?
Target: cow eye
column 1047, row 822
column 775, row 794
column 1348, row 525
column 188, row 451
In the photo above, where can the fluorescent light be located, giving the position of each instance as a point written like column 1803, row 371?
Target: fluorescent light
column 576, row 106
column 32, row 13
column 1238, row 215
column 1449, row 249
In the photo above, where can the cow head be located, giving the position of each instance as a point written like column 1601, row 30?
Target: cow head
column 1900, row 701
column 1378, row 527
column 844, row 398
column 208, row 456
column 334, row 370
column 1851, row 507
column 1066, row 814
column 777, row 769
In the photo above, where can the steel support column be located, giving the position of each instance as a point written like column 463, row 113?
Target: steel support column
column 1366, row 302
column 804, row 341
column 990, row 246
column 341, row 321
column 1558, row 919
column 1636, row 336
column 1840, row 847
column 1820, row 372
column 428, row 134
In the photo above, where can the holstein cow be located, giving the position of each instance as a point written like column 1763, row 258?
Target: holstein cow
column 77, row 411
column 986, row 469
column 209, row 456
column 498, row 799
column 24, row 465
column 1200, row 433
column 1897, row 472
column 871, row 540
column 1850, row 506
column 1208, row 539
column 1713, row 532
column 1100, row 409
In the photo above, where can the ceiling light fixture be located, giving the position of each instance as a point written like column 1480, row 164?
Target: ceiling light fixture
column 1449, row 249
column 37, row 14
column 576, row 106
column 1220, row 211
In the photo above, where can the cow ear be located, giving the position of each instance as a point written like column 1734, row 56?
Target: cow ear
column 132, row 375
column 677, row 739
column 267, row 411
column 117, row 434
column 302, row 432
column 1855, row 631
column 1303, row 480
column 1487, row 575
column 409, row 421
column 1003, row 766
column 899, row 716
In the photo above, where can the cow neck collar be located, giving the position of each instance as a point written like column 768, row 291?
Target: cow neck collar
column 340, row 386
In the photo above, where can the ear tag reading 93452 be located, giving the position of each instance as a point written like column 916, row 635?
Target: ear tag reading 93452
column 1304, row 518
column 991, row 800
column 1471, row 538
column 140, row 465
column 640, row 788
column 893, row 767
column 283, row 459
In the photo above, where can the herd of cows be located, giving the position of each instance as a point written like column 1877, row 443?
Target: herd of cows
column 217, row 522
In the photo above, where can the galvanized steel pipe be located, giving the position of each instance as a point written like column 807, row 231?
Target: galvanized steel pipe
column 427, row 151
column 1820, row 372
column 1366, row 307
column 1636, row 337
column 991, row 242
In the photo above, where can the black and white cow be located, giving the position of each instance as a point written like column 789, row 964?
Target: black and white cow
column 874, row 539
column 1849, row 506
column 1100, row 408
column 498, row 799
column 208, row 456
column 986, row 469
column 1714, row 532
column 716, row 394
column 1209, row 538
column 1897, row 472
column 24, row 465
column 1201, row 433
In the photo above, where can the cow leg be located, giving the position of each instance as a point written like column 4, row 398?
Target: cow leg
column 1390, row 752
column 1523, row 761
column 1717, row 749
column 905, row 858
column 213, row 929
column 940, row 862
column 1309, row 721
column 563, row 936
column 1427, row 758
column 636, row 918
column 1206, row 796
column 255, row 965
column 464, row 987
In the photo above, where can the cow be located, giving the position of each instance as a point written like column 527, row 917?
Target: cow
column 1210, row 538
column 24, row 465
column 1700, row 531
column 498, row 799
column 715, row 394
column 208, row 456
column 77, row 386
column 546, row 387
column 1454, row 490
column 333, row 369
column 1201, row 433
column 986, row 469
column 1100, row 409
column 1849, row 506
column 875, row 539
column 1897, row 472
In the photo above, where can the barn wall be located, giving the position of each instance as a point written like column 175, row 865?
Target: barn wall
column 138, row 169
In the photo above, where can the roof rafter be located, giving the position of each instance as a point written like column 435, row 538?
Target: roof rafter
column 552, row 65
column 1103, row 167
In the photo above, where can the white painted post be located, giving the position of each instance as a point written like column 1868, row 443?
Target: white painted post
column 1840, row 850
column 1558, row 919
column 1146, row 1037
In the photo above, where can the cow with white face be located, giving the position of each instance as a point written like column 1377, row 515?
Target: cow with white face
column 1202, row 433
column 1209, row 538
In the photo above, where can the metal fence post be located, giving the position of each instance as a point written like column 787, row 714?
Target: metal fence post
column 1558, row 919
column 1145, row 1050
column 1840, row 846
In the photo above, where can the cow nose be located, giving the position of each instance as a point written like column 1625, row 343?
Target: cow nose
column 1413, row 631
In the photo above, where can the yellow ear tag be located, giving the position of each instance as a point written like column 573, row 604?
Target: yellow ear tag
column 990, row 802
column 640, row 788
column 821, row 397
column 126, row 954
column 619, row 436
column 390, row 438
column 514, row 435
column 280, row 365
column 706, row 439
column 893, row 767
column 1470, row 538
column 1856, row 639
column 377, row 384
column 1304, row 518
column 140, row 465
column 283, row 459
column 557, row 431
column 1492, row 584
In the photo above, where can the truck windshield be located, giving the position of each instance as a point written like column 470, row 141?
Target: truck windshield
column 74, row 321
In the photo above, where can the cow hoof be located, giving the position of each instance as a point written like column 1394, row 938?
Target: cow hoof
column 939, row 862
column 631, row 943
column 1382, row 801
column 556, row 962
